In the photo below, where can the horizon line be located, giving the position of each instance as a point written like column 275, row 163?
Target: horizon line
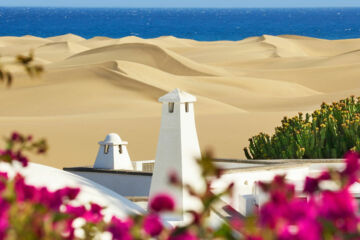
column 119, row 7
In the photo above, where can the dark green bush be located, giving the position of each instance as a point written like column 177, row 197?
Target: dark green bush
column 328, row 132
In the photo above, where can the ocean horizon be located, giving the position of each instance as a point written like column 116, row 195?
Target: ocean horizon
column 203, row 24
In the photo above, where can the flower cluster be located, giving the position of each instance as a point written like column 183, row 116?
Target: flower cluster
column 327, row 210
column 17, row 143
column 37, row 212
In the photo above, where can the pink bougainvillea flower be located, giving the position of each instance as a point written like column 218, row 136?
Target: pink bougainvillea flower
column 22, row 159
column 93, row 215
column 339, row 207
column 23, row 191
column 279, row 190
column 254, row 238
column 351, row 171
column 311, row 185
column 325, row 175
column 4, row 224
column 152, row 225
column 70, row 193
column 4, row 175
column 9, row 156
column 52, row 199
column 303, row 230
column 75, row 211
column 119, row 229
column 4, row 218
column 15, row 136
column 42, row 195
column 174, row 178
column 162, row 202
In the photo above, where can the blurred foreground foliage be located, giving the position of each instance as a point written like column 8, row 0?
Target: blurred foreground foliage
column 27, row 62
column 329, row 132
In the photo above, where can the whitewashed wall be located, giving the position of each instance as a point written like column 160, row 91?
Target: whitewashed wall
column 121, row 183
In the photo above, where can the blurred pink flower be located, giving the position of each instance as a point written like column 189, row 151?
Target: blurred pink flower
column 340, row 208
column 351, row 171
column 119, row 229
column 254, row 238
column 93, row 215
column 311, row 185
column 174, row 178
column 15, row 136
column 152, row 225
column 303, row 230
column 22, row 159
column 4, row 218
column 162, row 202
column 70, row 193
column 9, row 156
column 75, row 211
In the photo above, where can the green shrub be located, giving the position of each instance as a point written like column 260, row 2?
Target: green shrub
column 328, row 132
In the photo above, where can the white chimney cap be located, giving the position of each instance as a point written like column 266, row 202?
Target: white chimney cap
column 177, row 96
column 112, row 139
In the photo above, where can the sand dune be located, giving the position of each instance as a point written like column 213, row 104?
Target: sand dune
column 151, row 55
column 95, row 86
column 56, row 51
column 66, row 37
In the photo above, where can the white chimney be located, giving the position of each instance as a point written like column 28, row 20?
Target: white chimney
column 177, row 150
column 113, row 154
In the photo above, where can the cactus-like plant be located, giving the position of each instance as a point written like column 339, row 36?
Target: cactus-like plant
column 328, row 132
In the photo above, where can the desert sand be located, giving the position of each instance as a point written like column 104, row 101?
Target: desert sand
column 101, row 85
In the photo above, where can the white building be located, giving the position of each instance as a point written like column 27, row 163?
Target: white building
column 177, row 149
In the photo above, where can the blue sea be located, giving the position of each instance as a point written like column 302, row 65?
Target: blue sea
column 199, row 24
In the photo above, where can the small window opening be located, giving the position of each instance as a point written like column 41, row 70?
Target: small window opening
column 187, row 107
column 120, row 149
column 171, row 107
column 106, row 149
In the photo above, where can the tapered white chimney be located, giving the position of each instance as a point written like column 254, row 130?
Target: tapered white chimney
column 177, row 150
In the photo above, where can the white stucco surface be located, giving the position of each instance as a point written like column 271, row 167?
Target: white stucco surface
column 40, row 175
column 123, row 184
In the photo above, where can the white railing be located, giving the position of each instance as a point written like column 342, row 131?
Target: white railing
column 144, row 165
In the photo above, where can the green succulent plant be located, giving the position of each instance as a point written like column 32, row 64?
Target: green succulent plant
column 328, row 132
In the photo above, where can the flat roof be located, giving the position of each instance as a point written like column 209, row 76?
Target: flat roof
column 278, row 161
column 229, row 165
column 109, row 171
column 278, row 164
